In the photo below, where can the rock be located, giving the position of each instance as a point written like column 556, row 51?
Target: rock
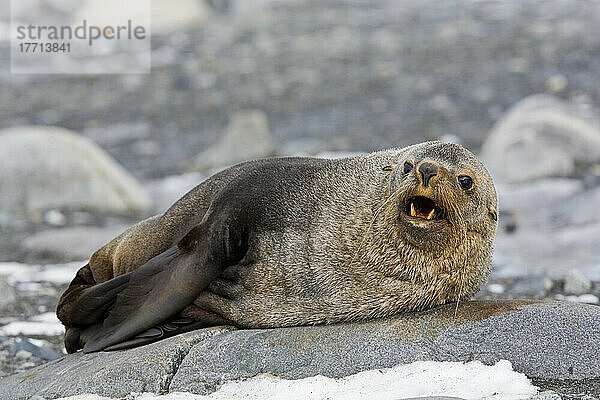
column 44, row 168
column 247, row 137
column 166, row 16
column 7, row 294
column 577, row 283
column 339, row 69
column 302, row 147
column 544, row 340
column 540, row 137
column 72, row 243
column 55, row 218
column 580, row 209
column 533, row 251
column 24, row 345
column 588, row 298
column 531, row 286
column 546, row 395
column 115, row 374
column 115, row 134
column 495, row 288
column 548, row 227
column 532, row 197
column 525, row 333
column 536, row 204
column 252, row 15
column 584, row 298
column 168, row 190
column 23, row 355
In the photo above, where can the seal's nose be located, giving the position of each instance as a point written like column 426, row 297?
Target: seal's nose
column 427, row 171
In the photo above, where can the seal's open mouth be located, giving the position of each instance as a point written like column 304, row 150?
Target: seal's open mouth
column 422, row 207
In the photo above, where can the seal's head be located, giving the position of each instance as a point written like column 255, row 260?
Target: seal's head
column 444, row 209
column 442, row 189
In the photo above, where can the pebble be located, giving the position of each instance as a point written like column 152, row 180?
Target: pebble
column 495, row 288
column 7, row 294
column 588, row 298
column 531, row 286
column 584, row 298
column 547, row 395
column 557, row 83
column 23, row 355
column 576, row 283
column 55, row 218
column 23, row 346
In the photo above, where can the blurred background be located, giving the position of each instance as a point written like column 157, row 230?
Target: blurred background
column 517, row 82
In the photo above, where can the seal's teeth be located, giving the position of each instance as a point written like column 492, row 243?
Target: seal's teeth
column 412, row 209
column 431, row 214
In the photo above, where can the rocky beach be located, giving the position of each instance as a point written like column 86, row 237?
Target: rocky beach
column 84, row 156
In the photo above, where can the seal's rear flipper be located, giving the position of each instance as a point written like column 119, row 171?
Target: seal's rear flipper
column 92, row 302
column 159, row 332
column 139, row 300
column 156, row 292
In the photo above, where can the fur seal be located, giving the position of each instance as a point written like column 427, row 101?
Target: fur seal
column 293, row 241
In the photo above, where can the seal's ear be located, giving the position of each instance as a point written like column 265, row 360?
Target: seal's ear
column 389, row 167
column 493, row 213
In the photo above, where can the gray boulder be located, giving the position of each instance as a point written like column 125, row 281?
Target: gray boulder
column 536, row 198
column 247, row 137
column 577, row 283
column 542, row 136
column 548, row 227
column 149, row 368
column 34, row 350
column 166, row 15
column 544, row 340
column 72, row 243
column 547, row 253
column 580, row 209
column 44, row 167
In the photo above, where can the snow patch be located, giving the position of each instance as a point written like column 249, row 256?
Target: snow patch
column 46, row 324
column 54, row 273
column 472, row 380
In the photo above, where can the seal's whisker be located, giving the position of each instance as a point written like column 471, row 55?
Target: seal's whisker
column 458, row 300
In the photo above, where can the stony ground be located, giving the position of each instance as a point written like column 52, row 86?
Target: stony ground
column 21, row 352
column 358, row 75
column 328, row 75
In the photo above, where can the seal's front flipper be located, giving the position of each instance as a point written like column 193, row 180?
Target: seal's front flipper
column 153, row 293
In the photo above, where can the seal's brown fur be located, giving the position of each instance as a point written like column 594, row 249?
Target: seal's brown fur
column 328, row 240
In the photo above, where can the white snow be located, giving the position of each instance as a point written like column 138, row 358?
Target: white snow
column 46, row 324
column 55, row 273
column 472, row 380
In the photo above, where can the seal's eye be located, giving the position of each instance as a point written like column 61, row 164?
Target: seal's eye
column 465, row 182
column 407, row 167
